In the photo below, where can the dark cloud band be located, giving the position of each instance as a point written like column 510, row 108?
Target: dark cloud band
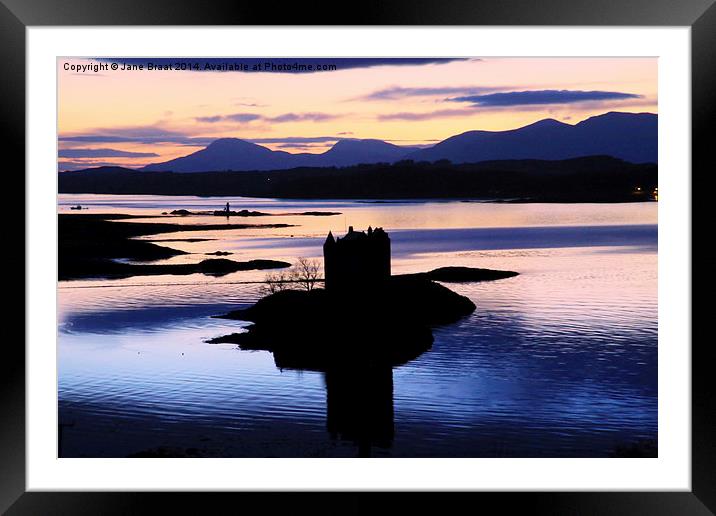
column 103, row 153
column 158, row 136
column 142, row 135
column 278, row 119
column 542, row 97
column 275, row 64
column 398, row 92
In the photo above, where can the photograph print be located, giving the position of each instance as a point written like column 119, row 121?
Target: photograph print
column 357, row 257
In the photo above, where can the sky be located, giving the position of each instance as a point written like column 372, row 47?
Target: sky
column 132, row 117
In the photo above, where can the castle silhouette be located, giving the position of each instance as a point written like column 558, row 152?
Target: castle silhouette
column 358, row 262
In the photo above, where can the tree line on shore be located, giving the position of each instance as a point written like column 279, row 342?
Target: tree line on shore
column 588, row 179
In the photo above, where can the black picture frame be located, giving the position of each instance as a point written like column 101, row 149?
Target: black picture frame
column 17, row 15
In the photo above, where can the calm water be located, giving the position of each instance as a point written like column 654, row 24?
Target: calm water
column 558, row 361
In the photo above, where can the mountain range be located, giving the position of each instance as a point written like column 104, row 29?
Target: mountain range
column 239, row 155
column 628, row 136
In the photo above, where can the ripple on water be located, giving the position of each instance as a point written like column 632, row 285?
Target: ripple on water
column 558, row 361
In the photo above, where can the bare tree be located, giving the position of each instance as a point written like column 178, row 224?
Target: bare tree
column 307, row 272
column 304, row 273
column 275, row 282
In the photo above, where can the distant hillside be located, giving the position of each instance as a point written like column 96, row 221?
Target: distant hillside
column 346, row 153
column 226, row 154
column 234, row 154
column 589, row 179
column 628, row 136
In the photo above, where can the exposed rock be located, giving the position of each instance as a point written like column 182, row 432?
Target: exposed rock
column 462, row 274
column 242, row 213
column 210, row 267
column 90, row 245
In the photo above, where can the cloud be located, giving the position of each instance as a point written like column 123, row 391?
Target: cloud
column 398, row 92
column 301, row 117
column 209, row 119
column 542, row 97
column 302, row 146
column 108, row 138
column 280, row 65
column 243, row 117
column 103, row 153
column 278, row 119
column 155, row 134
column 441, row 113
column 299, row 140
column 152, row 134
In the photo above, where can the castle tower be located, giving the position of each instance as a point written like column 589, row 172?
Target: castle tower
column 358, row 261
column 329, row 247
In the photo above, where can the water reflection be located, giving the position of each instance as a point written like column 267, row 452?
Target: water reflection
column 559, row 361
column 393, row 215
column 359, row 406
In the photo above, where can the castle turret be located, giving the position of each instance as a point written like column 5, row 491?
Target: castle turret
column 329, row 260
column 357, row 262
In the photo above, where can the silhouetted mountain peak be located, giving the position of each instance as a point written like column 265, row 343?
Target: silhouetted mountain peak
column 544, row 123
column 233, row 145
column 613, row 117
column 353, row 151
column 355, row 143
column 628, row 136
column 237, row 154
column 226, row 142
column 465, row 135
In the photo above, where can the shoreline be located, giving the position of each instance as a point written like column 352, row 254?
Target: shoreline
column 363, row 200
column 89, row 246
column 588, row 179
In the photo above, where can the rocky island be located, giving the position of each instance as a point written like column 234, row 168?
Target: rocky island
column 92, row 246
column 364, row 317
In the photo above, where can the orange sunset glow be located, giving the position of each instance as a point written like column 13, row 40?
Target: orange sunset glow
column 135, row 117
